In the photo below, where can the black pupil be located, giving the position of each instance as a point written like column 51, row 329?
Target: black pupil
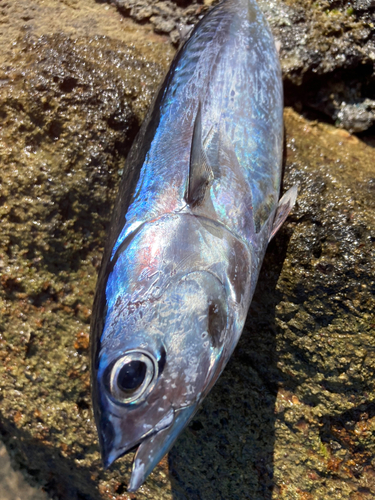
column 131, row 375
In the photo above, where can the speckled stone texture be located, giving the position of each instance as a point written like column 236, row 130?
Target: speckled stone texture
column 13, row 485
column 293, row 415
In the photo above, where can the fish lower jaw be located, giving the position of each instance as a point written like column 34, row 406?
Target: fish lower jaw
column 116, row 453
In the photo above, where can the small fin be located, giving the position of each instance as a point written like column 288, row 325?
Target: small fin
column 184, row 30
column 200, row 173
column 286, row 204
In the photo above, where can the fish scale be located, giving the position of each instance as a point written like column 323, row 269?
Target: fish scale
column 197, row 206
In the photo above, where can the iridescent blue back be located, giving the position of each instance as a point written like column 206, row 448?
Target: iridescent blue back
column 230, row 68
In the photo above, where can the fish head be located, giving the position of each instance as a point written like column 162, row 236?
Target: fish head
column 159, row 359
column 174, row 302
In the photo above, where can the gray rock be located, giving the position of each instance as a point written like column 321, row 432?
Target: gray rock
column 364, row 5
column 162, row 25
column 357, row 117
column 325, row 53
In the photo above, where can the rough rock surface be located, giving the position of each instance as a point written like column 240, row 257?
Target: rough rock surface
column 293, row 415
column 328, row 57
column 327, row 50
column 13, row 485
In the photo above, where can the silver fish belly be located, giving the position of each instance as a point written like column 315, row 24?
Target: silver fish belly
column 197, row 207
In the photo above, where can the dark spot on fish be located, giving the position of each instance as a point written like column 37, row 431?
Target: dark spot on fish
column 131, row 376
column 238, row 269
column 162, row 360
column 217, row 322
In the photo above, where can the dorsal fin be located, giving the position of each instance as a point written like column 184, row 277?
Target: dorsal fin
column 200, row 173
column 286, row 204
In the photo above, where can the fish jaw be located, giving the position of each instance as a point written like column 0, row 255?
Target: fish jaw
column 153, row 448
column 112, row 450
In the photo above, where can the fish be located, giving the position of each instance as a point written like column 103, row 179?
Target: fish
column 197, row 206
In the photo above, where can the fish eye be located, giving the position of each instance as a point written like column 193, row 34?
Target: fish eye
column 132, row 376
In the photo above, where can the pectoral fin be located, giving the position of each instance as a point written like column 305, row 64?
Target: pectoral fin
column 286, row 204
column 200, row 172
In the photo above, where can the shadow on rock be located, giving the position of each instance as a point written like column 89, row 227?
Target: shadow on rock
column 45, row 467
column 227, row 450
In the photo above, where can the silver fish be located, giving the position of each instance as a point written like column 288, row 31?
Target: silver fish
column 197, row 207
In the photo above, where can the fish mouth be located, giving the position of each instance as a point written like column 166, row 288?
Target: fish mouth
column 152, row 446
column 111, row 454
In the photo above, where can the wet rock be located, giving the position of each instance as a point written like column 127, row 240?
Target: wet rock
column 71, row 102
column 162, row 25
column 357, row 117
column 12, row 484
column 293, row 414
column 168, row 14
column 327, row 55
